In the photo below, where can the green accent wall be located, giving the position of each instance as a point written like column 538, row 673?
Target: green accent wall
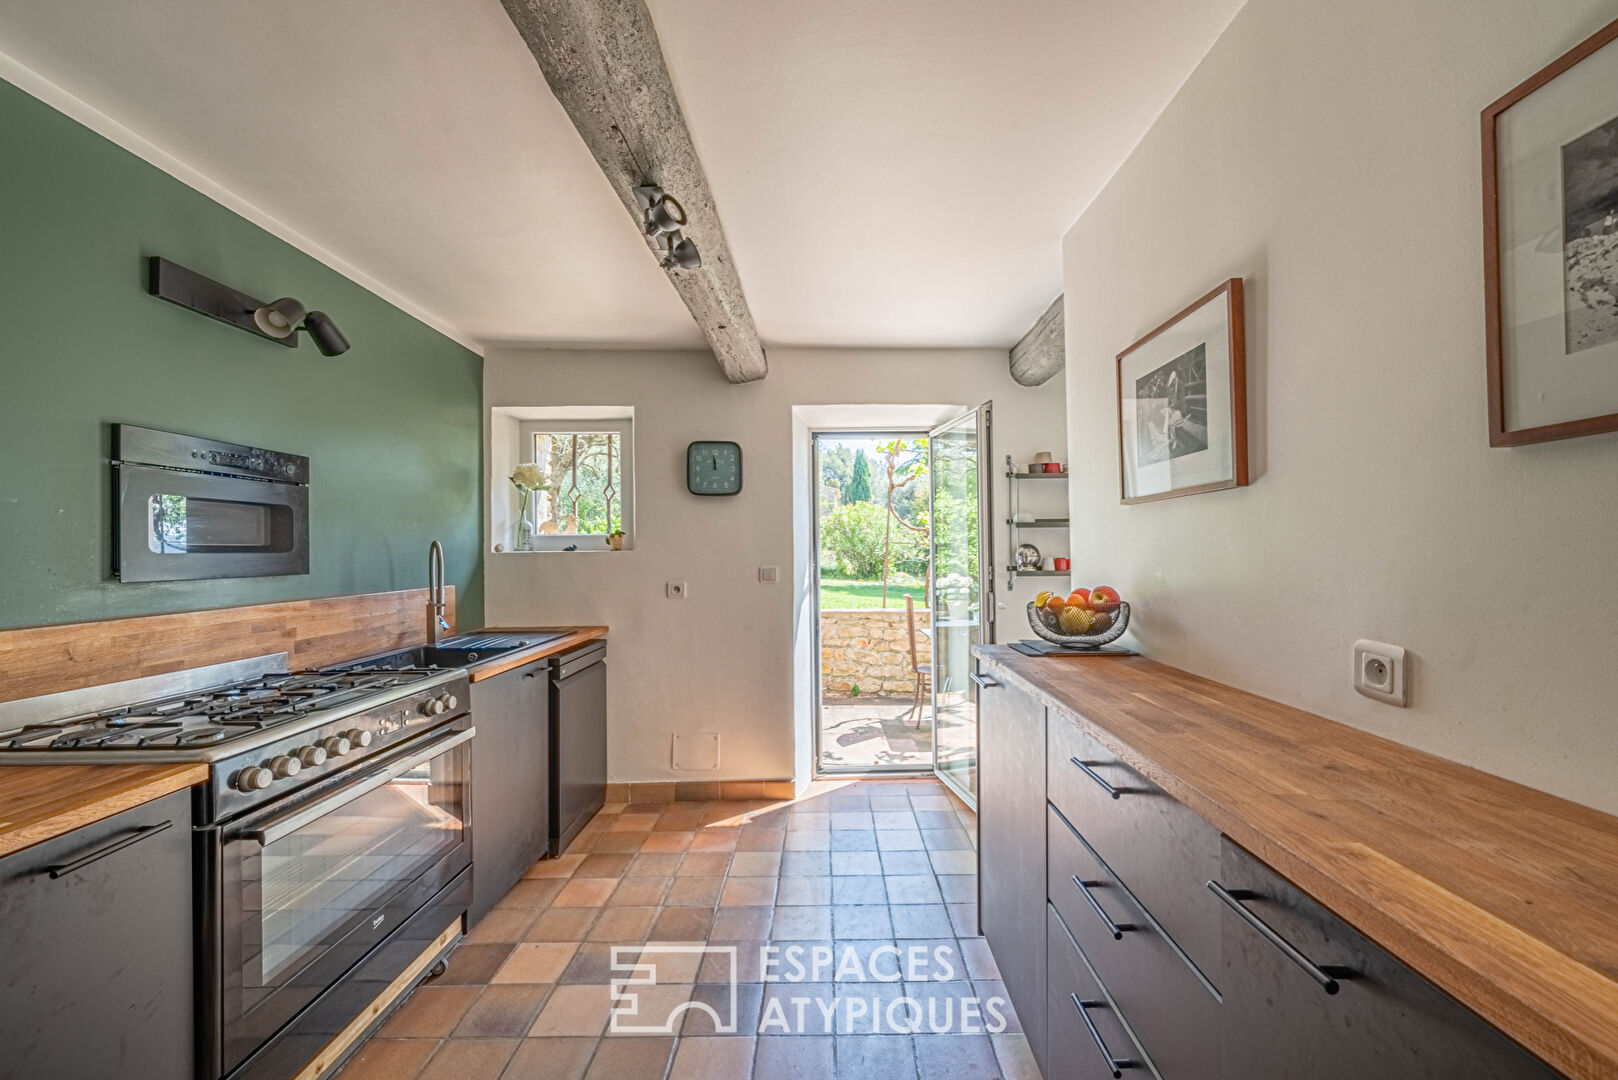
column 392, row 428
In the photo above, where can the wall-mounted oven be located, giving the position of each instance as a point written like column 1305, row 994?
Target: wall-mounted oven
column 188, row 508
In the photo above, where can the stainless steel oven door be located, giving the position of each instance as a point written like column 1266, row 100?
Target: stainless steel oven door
column 175, row 525
column 307, row 889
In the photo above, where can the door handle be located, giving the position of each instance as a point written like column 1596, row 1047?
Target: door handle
column 1326, row 976
column 1117, row 930
column 1115, row 1065
column 1092, row 774
column 111, row 849
column 983, row 683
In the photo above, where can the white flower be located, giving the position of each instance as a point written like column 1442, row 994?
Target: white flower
column 529, row 477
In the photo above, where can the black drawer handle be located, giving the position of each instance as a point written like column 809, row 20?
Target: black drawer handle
column 111, row 849
column 1117, row 930
column 1115, row 1064
column 983, row 683
column 1326, row 976
column 1092, row 774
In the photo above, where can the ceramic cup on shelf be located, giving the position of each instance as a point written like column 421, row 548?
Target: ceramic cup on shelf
column 1042, row 457
column 1053, row 466
column 1060, row 563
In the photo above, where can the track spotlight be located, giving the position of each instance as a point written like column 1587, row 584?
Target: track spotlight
column 682, row 255
column 324, row 333
column 280, row 318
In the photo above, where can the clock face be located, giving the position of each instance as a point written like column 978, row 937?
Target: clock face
column 713, row 468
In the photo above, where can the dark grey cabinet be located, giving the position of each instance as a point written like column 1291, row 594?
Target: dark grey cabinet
column 97, row 952
column 1308, row 998
column 1011, row 848
column 578, row 740
column 510, row 780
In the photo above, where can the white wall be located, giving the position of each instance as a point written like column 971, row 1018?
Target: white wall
column 1329, row 154
column 723, row 659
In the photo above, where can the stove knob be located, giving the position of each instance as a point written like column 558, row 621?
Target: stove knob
column 358, row 737
column 336, row 746
column 253, row 778
column 432, row 707
column 311, row 755
column 449, row 701
column 285, row 765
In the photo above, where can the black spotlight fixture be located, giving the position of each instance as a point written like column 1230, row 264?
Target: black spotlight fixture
column 278, row 321
column 662, row 216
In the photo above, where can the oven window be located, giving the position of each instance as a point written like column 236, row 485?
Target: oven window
column 310, row 888
column 180, row 524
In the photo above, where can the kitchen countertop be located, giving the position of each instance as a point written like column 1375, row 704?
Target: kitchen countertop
column 495, row 665
column 1504, row 896
column 42, row 802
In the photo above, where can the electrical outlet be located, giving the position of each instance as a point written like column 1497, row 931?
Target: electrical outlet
column 769, row 575
column 676, row 590
column 1379, row 672
column 698, row 750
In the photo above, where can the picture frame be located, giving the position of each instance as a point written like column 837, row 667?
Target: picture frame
column 1550, row 240
column 1182, row 402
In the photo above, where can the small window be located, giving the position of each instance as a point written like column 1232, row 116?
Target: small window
column 588, row 468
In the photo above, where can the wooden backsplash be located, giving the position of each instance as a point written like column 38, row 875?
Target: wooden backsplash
column 49, row 659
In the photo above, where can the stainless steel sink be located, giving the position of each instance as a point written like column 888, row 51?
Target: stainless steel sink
column 463, row 650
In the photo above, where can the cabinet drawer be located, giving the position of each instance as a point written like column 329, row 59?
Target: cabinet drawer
column 1089, row 1038
column 1309, row 998
column 1172, row 1005
column 1162, row 849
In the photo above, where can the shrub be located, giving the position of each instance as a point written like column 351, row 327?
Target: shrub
column 851, row 539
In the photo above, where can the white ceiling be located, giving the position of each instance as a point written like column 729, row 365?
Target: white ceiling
column 889, row 173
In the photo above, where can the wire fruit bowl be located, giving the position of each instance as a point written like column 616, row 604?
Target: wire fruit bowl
column 1120, row 622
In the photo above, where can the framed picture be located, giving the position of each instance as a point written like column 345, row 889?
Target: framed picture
column 1550, row 233
column 1182, row 402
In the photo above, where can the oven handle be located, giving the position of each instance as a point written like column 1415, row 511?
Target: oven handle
column 278, row 828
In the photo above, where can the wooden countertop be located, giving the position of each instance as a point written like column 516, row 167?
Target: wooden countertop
column 42, row 802
column 576, row 636
column 1504, row 896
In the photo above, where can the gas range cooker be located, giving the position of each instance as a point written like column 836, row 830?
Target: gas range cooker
column 263, row 732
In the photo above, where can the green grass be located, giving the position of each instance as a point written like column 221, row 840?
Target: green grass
column 844, row 594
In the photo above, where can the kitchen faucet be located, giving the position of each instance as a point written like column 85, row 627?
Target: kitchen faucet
column 435, row 593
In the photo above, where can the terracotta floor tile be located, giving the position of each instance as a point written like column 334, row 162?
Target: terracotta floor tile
column 656, row 1007
column 855, row 862
column 671, row 962
column 679, row 820
column 532, row 893
column 859, row 889
column 913, row 889
column 851, row 922
column 801, row 923
column 574, row 1010
column 794, row 1057
column 658, row 843
column 893, row 819
column 859, row 820
column 907, row 862
column 550, row 1059
column 469, row 1059
column 562, row 924
column 682, row 924
column 501, row 925
column 958, row 888
column 388, row 1059
column 979, row 960
column 631, row 1059
column 695, row 892
column 715, row 838
column 628, row 822
column 921, row 921
column 654, row 808
column 602, row 865
column 741, row 924
column 805, row 863
column 755, row 864
column 936, row 819
column 623, row 923
column 704, row 864
column 899, row 840
column 807, row 841
column 503, row 1011
column 964, row 918
column 536, row 962
column 890, row 803
column 955, row 1057
column 876, row 1057
column 806, row 891
column 931, row 802
column 586, row 892
column 853, row 840
column 815, row 822
column 599, row 962
column 561, row 866
column 748, row 892
column 716, row 995
column 621, row 843
column 754, row 838
column 655, row 865
column 431, row 1012
column 1015, row 1056
column 639, row 892
column 946, row 840
column 715, row 1058
column 474, row 964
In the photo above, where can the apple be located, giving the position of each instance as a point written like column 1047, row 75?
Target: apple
column 1079, row 598
column 1104, row 598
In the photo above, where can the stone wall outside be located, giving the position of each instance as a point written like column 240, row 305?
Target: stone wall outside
column 870, row 649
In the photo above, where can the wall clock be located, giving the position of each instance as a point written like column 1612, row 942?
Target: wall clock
column 713, row 468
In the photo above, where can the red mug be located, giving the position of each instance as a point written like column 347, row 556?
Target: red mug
column 1053, row 466
column 1059, row 563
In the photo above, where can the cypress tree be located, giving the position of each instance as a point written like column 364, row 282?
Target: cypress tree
column 859, row 483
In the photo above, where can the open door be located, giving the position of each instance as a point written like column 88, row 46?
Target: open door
column 962, row 590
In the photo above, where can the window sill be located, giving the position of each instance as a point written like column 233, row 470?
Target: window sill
column 559, row 551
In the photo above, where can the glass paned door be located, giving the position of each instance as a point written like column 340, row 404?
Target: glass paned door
column 962, row 591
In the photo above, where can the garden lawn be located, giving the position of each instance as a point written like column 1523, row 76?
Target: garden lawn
column 843, row 594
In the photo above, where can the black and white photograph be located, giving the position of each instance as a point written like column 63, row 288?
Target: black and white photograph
column 1590, row 237
column 1171, row 408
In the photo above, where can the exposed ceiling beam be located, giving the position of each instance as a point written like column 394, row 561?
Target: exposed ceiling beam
column 604, row 64
column 1043, row 350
